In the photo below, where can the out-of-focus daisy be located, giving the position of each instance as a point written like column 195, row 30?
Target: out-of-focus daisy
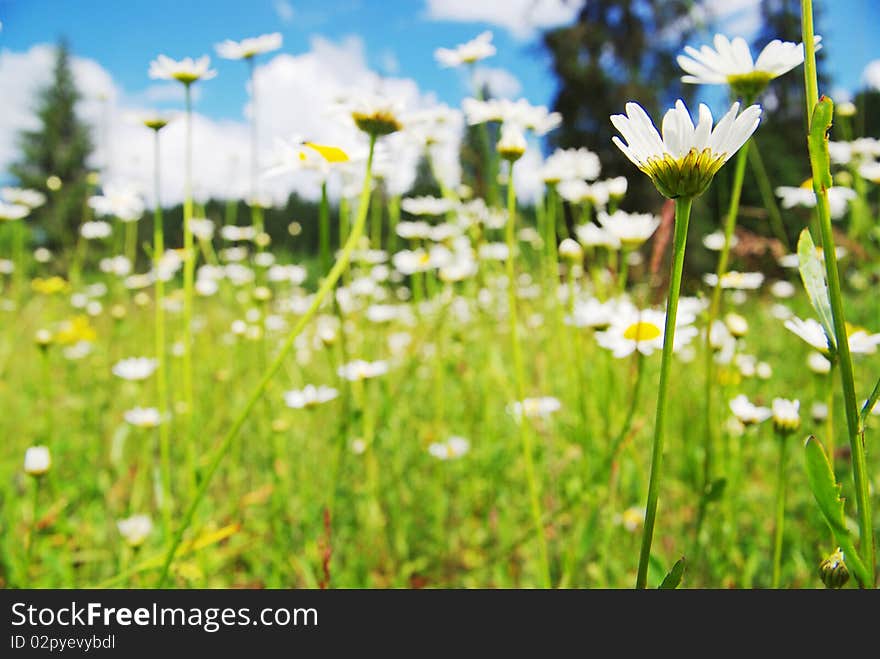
column 433, row 206
column 838, row 198
column 135, row 529
column 571, row 250
column 512, row 143
column 641, row 330
column 23, row 197
column 362, row 370
column 135, row 368
column 250, row 47
column 408, row 262
column 715, row 241
column 732, row 279
column 592, row 235
column 473, row 51
column 11, row 212
column 143, row 417
column 532, row 408
column 309, row 396
column 186, row 70
column 786, row 416
column 37, row 461
column 452, row 448
column 95, row 230
column 818, row 363
column 632, row 518
column 730, row 63
column 819, row 412
column 782, row 289
column 747, row 412
column 121, row 200
column 571, row 164
column 375, row 114
column 684, row 160
column 630, row 229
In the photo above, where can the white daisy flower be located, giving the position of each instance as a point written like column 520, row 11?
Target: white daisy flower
column 715, row 241
column 744, row 281
column 37, row 460
column 452, row 448
column 684, row 160
column 473, row 51
column 24, row 197
column 643, row 331
column 630, row 229
column 135, row 368
column 747, row 412
column 143, row 417
column 811, row 331
column 309, row 396
column 592, row 235
column 135, row 529
column 532, row 408
column 250, row 47
column 786, row 416
column 11, row 212
column 573, row 164
column 838, row 198
column 186, row 70
column 95, row 230
column 730, row 63
column 362, row 370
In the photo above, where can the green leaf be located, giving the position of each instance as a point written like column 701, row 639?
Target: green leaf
column 868, row 406
column 813, row 276
column 827, row 494
column 673, row 579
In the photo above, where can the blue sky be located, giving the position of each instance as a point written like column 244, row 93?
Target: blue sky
column 399, row 38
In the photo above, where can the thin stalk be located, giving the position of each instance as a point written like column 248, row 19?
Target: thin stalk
column 856, row 439
column 519, row 374
column 326, row 287
column 757, row 164
column 188, row 272
column 32, row 534
column 780, row 510
column 161, row 377
column 715, row 307
column 324, row 228
column 682, row 217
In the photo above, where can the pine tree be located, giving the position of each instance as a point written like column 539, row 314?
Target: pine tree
column 59, row 148
column 617, row 51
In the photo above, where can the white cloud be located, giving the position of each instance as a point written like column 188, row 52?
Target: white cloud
column 284, row 10
column 523, row 18
column 294, row 94
column 736, row 18
column 501, row 82
column 871, row 75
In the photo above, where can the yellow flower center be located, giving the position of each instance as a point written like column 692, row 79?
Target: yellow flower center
column 642, row 331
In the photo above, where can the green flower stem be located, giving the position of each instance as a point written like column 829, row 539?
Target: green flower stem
column 327, row 286
column 856, row 439
column 519, row 374
column 131, row 233
column 756, row 162
column 682, row 217
column 830, row 443
column 622, row 268
column 32, row 534
column 188, row 272
column 393, row 220
column 324, row 228
column 780, row 509
column 715, row 306
column 376, row 222
column 159, row 335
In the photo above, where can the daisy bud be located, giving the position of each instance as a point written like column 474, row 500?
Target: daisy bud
column 37, row 461
column 817, row 363
column 262, row 294
column 569, row 249
column 736, row 325
column 141, row 299
column 43, row 338
column 512, row 144
column 135, row 529
column 262, row 239
column 786, row 418
column 118, row 312
column 833, row 570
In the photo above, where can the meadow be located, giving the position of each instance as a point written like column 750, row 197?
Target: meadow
column 454, row 392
